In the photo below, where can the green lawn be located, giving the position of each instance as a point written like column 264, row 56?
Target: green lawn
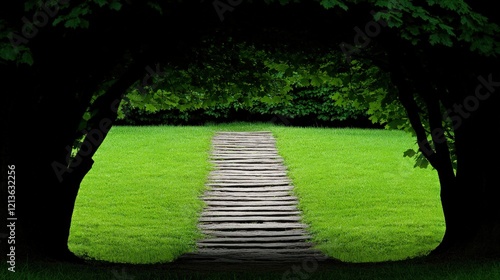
column 139, row 203
column 363, row 200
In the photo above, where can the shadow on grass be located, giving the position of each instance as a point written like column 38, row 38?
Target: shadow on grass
column 418, row 268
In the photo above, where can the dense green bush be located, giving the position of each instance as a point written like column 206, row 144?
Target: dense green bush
column 308, row 106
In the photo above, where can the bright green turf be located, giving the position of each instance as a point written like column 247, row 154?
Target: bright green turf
column 139, row 203
column 363, row 200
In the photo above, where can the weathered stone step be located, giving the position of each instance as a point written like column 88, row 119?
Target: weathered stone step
column 252, row 208
column 246, row 226
column 256, row 233
column 248, row 213
column 250, row 203
column 251, row 184
column 253, row 189
column 246, row 194
column 257, row 239
column 248, row 198
column 278, row 245
column 249, row 219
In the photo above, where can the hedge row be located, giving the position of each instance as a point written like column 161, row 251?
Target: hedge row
column 308, row 107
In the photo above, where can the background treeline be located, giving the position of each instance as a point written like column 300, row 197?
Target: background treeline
column 242, row 82
column 309, row 106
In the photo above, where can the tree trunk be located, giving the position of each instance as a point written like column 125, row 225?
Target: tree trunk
column 469, row 198
column 43, row 204
column 472, row 205
column 45, row 209
column 46, row 189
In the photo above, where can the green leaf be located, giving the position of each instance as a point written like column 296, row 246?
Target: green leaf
column 328, row 4
column 7, row 52
column 120, row 114
column 82, row 125
column 304, row 82
column 57, row 20
column 409, row 153
column 150, row 107
column 447, row 28
column 87, row 116
column 100, row 2
column 281, row 67
column 414, row 30
column 156, row 7
column 336, row 82
column 84, row 23
column 421, row 162
column 115, row 6
column 266, row 99
column 316, row 81
column 434, row 39
column 72, row 23
column 29, row 5
column 27, row 58
column 393, row 18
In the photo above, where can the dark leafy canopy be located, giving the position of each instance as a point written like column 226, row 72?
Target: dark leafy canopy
column 243, row 77
column 423, row 66
column 423, row 23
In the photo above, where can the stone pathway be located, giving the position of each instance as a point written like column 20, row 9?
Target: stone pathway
column 250, row 214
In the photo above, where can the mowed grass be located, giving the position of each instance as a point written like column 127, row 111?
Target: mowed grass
column 363, row 201
column 139, row 203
